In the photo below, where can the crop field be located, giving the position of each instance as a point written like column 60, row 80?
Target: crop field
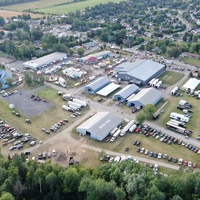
column 191, row 61
column 170, row 78
column 58, row 7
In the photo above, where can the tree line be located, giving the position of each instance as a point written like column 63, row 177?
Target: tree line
column 114, row 181
column 10, row 2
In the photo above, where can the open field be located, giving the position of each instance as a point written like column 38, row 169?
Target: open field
column 52, row 7
column 170, row 77
column 63, row 9
column 191, row 61
column 10, row 13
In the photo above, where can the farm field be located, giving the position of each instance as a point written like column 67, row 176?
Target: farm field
column 191, row 61
column 11, row 13
column 170, row 77
column 52, row 7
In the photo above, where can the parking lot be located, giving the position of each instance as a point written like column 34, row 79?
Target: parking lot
column 28, row 106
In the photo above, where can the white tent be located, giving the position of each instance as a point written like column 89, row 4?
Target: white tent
column 11, row 106
column 191, row 84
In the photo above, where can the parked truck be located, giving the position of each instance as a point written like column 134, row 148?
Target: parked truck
column 115, row 135
column 126, row 128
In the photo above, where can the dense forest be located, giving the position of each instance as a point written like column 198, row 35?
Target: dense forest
column 120, row 181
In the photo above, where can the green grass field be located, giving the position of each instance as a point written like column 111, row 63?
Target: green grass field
column 170, row 78
column 191, row 61
column 52, row 7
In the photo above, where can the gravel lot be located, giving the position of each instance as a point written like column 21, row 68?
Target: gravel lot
column 25, row 104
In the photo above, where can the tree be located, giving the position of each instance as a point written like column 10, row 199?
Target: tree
column 51, row 180
column 141, row 116
column 7, row 196
column 1, row 84
column 9, row 81
column 149, row 110
column 2, row 21
column 80, row 52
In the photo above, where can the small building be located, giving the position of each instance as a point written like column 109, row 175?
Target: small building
column 97, row 85
column 144, row 97
column 92, row 58
column 99, row 125
column 108, row 89
column 127, row 91
column 45, row 60
column 191, row 84
column 139, row 72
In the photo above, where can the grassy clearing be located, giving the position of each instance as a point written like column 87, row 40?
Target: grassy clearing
column 45, row 119
column 170, row 78
column 191, row 61
column 62, row 9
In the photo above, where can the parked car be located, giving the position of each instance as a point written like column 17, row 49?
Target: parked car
column 189, row 163
column 185, row 163
column 180, row 161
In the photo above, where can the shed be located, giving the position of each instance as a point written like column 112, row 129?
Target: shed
column 127, row 91
column 108, row 89
column 191, row 84
column 99, row 125
column 97, row 85
column 144, row 97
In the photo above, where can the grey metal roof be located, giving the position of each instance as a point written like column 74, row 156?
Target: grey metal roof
column 146, row 96
column 44, row 60
column 96, row 55
column 141, row 69
column 127, row 90
column 98, row 83
column 100, row 124
column 108, row 89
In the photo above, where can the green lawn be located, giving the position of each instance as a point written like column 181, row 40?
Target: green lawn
column 191, row 61
column 170, row 78
column 62, row 9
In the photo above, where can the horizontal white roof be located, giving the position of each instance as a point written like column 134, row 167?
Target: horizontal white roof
column 191, row 84
column 108, row 89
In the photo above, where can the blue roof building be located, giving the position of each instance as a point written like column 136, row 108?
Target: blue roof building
column 97, row 85
column 127, row 91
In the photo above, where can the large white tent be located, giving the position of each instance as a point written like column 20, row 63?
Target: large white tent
column 191, row 84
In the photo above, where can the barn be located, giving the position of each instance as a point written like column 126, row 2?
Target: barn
column 139, row 72
column 124, row 93
column 144, row 97
column 45, row 60
column 99, row 125
column 97, row 85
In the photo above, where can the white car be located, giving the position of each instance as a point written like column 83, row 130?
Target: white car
column 54, row 152
column 160, row 155
column 189, row 164
column 117, row 159
column 146, row 152
column 73, row 116
column 155, row 168
column 180, row 161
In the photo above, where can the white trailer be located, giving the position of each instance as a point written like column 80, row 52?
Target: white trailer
column 74, row 108
column 77, row 105
column 179, row 117
column 66, row 107
column 151, row 81
column 158, row 84
column 113, row 130
column 173, row 92
column 155, row 82
column 176, row 122
column 83, row 103
column 115, row 135
column 62, row 82
column 126, row 128
column 67, row 96
column 132, row 128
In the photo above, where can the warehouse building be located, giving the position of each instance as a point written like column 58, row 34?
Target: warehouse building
column 127, row 91
column 191, row 84
column 93, row 58
column 45, row 60
column 97, row 85
column 139, row 72
column 144, row 97
column 99, row 125
column 108, row 89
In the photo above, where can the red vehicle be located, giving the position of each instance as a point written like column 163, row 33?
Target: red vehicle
column 194, row 165
column 137, row 130
column 185, row 163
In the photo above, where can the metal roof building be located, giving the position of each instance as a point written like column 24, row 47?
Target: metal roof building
column 97, row 85
column 108, row 89
column 139, row 72
column 99, row 125
column 99, row 55
column 127, row 91
column 45, row 60
column 144, row 97
column 191, row 84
